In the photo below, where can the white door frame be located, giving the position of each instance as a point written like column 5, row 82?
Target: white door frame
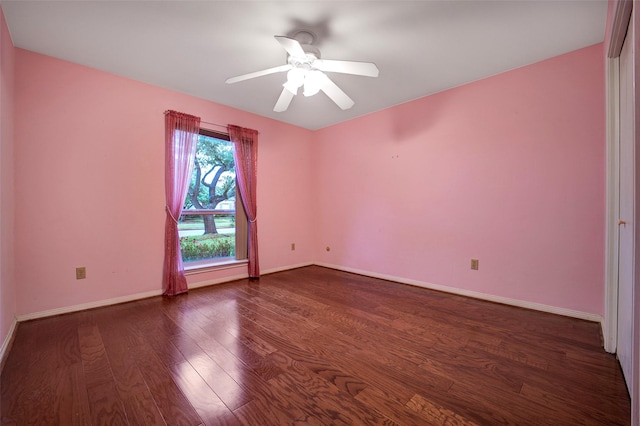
column 620, row 22
column 610, row 320
column 623, row 11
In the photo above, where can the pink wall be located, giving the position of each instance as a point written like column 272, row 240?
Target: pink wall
column 7, row 277
column 509, row 170
column 89, row 184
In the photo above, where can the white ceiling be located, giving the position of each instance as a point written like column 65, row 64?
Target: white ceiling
column 420, row 47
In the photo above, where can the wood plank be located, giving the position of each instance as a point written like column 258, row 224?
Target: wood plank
column 389, row 406
column 175, row 408
column 138, row 402
column 95, row 362
column 435, row 414
column 226, row 388
column 105, row 403
column 210, row 408
column 260, row 412
column 332, row 406
column 80, row 407
column 71, row 405
column 569, row 408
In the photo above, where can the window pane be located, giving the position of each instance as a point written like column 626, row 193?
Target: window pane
column 196, row 244
column 208, row 226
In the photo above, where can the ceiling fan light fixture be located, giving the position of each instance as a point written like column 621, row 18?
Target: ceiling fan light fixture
column 312, row 82
column 291, row 87
column 295, row 79
column 296, row 76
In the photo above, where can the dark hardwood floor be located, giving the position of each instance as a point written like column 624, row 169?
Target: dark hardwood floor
column 311, row 346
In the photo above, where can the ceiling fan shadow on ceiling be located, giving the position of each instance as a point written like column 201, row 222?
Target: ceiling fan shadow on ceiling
column 305, row 69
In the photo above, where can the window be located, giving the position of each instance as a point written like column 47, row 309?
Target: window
column 213, row 225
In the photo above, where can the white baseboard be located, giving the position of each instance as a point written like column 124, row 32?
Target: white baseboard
column 286, row 268
column 89, row 305
column 476, row 295
column 246, row 275
column 7, row 342
column 489, row 297
column 138, row 296
column 218, row 281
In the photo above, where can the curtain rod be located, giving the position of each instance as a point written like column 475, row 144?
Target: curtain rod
column 206, row 122
column 215, row 124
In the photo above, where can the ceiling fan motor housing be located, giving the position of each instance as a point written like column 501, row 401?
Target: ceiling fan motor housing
column 306, row 39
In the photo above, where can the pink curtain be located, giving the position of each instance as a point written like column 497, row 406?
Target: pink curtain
column 245, row 156
column 181, row 139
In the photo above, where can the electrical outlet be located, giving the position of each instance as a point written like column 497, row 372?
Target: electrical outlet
column 474, row 264
column 293, row 246
column 81, row 273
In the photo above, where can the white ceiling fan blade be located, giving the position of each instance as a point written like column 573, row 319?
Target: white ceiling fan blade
column 366, row 69
column 258, row 74
column 283, row 101
column 335, row 93
column 292, row 46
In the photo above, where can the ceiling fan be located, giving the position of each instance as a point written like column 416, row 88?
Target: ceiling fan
column 305, row 69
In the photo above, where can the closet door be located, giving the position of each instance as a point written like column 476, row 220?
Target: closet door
column 626, row 223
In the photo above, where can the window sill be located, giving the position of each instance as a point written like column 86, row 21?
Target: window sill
column 201, row 267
